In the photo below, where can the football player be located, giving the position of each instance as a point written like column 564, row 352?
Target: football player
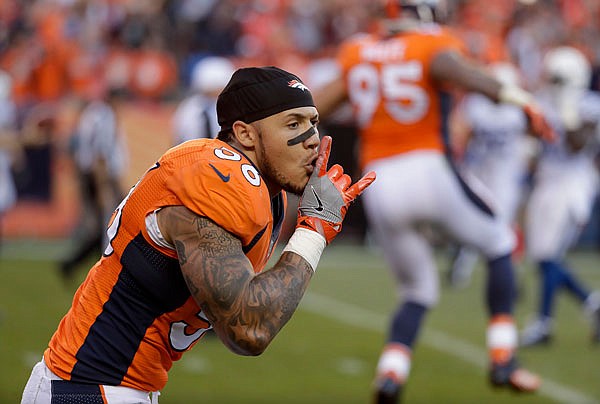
column 189, row 244
column 565, row 187
column 10, row 147
column 100, row 156
column 497, row 154
column 395, row 81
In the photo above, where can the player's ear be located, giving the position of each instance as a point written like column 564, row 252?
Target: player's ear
column 244, row 134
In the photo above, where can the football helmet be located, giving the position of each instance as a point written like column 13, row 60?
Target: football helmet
column 566, row 66
column 424, row 10
column 567, row 73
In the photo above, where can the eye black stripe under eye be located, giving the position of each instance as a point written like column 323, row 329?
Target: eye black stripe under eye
column 302, row 137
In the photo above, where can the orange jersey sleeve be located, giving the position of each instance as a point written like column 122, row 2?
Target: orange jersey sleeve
column 397, row 104
column 133, row 315
column 220, row 194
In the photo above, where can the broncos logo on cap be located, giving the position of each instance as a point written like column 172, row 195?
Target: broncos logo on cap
column 297, row 84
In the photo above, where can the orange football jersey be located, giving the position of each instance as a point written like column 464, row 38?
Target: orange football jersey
column 134, row 315
column 397, row 105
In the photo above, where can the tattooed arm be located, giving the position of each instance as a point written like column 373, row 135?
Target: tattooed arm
column 246, row 309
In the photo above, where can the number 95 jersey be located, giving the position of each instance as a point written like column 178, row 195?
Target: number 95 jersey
column 397, row 104
column 134, row 315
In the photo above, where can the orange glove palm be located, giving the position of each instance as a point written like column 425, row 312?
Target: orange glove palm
column 538, row 123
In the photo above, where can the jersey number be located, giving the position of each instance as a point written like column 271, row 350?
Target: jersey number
column 395, row 86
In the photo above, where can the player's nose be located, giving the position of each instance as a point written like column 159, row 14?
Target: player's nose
column 313, row 141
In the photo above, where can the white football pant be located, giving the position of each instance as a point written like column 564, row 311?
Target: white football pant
column 421, row 187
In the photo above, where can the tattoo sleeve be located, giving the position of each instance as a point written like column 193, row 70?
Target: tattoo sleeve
column 246, row 309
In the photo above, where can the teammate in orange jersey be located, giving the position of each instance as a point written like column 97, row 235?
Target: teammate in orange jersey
column 189, row 243
column 395, row 82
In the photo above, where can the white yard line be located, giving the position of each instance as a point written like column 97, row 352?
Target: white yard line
column 358, row 317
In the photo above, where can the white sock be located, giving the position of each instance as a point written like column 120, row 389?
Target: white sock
column 395, row 361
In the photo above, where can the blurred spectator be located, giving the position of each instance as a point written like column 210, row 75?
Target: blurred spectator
column 9, row 146
column 100, row 155
column 154, row 74
column 196, row 115
column 537, row 27
column 204, row 27
column 482, row 25
column 38, row 134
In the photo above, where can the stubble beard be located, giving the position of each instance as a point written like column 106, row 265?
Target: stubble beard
column 273, row 175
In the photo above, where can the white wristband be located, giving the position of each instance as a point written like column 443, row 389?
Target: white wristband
column 514, row 95
column 308, row 244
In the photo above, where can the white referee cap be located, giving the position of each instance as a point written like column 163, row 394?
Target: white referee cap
column 5, row 85
column 211, row 74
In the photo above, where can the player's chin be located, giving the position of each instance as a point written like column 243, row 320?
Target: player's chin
column 296, row 187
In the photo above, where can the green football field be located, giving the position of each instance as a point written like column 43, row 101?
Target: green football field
column 327, row 352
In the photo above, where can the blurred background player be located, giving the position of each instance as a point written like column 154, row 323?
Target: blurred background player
column 196, row 115
column 10, row 149
column 565, row 186
column 100, row 155
column 394, row 81
column 494, row 151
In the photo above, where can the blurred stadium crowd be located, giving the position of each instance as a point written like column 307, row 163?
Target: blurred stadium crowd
column 57, row 56
column 58, row 48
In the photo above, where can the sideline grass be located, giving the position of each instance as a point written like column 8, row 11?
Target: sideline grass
column 317, row 358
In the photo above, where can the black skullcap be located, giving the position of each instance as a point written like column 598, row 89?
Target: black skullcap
column 255, row 93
